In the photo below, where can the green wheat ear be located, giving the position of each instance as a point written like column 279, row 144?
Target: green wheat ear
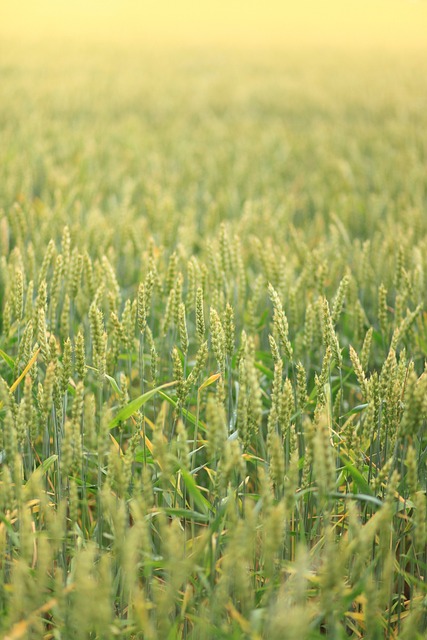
column 200, row 318
column 280, row 322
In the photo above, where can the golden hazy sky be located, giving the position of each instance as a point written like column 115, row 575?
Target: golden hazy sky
column 276, row 23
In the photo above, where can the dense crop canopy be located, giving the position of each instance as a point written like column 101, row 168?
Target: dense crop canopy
column 213, row 276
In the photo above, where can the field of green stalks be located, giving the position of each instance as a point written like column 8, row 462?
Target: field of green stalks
column 213, row 288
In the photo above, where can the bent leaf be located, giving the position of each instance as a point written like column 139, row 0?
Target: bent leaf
column 213, row 378
column 195, row 492
column 9, row 361
column 26, row 370
column 134, row 405
column 358, row 478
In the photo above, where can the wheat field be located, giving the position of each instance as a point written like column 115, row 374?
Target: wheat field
column 213, row 275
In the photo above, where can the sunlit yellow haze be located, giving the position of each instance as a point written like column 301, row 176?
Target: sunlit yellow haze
column 248, row 23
